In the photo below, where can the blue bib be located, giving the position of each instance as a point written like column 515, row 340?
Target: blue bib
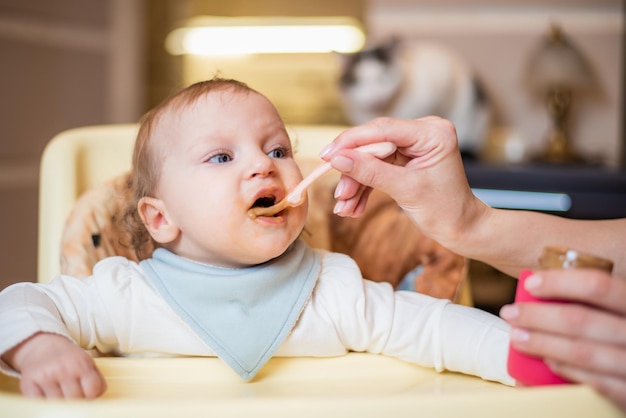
column 243, row 315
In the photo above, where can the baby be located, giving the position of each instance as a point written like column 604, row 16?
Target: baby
column 221, row 283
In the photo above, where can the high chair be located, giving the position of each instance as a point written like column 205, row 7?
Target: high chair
column 365, row 385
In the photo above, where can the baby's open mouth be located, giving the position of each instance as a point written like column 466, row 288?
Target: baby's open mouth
column 266, row 206
column 264, row 202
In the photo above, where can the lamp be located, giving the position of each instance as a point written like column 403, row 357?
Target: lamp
column 557, row 70
column 213, row 35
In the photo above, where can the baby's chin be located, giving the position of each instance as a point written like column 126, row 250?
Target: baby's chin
column 264, row 248
column 265, row 256
column 240, row 257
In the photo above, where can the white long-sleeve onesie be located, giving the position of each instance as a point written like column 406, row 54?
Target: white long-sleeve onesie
column 117, row 310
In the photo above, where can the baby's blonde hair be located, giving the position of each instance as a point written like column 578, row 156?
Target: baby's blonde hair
column 147, row 161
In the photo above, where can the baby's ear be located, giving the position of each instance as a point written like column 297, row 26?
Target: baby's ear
column 154, row 216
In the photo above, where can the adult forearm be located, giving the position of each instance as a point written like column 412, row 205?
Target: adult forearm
column 513, row 240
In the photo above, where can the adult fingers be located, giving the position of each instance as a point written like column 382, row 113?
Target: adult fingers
column 594, row 356
column 593, row 287
column 413, row 137
column 355, row 205
column 568, row 319
column 423, row 143
column 372, row 172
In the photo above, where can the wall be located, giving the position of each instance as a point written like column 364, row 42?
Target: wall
column 65, row 64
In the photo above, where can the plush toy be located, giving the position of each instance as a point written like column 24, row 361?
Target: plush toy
column 93, row 230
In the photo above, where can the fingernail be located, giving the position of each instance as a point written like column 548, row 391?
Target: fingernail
column 519, row 335
column 343, row 164
column 339, row 207
column 509, row 312
column 339, row 188
column 326, row 150
column 532, row 282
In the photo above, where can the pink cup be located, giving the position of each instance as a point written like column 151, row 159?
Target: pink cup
column 527, row 369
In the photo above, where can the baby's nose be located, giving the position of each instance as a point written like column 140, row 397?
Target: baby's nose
column 262, row 166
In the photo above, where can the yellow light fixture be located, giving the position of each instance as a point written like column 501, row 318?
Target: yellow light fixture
column 212, row 35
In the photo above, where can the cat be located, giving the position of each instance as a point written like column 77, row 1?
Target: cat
column 412, row 80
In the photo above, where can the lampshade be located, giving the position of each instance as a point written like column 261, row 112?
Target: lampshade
column 558, row 71
column 213, row 35
column 557, row 63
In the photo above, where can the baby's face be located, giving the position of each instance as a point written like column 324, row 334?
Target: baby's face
column 219, row 156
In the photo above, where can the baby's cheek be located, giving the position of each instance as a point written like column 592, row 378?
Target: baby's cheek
column 303, row 211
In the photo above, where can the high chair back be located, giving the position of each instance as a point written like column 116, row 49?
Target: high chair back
column 72, row 162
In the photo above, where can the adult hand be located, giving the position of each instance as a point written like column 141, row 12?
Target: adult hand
column 52, row 366
column 425, row 176
column 583, row 341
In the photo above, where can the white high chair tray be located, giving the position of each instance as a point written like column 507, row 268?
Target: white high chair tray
column 355, row 385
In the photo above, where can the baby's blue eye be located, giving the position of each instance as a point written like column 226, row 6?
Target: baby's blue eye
column 220, row 158
column 279, row 153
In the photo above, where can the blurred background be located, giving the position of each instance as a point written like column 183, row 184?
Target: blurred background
column 70, row 63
